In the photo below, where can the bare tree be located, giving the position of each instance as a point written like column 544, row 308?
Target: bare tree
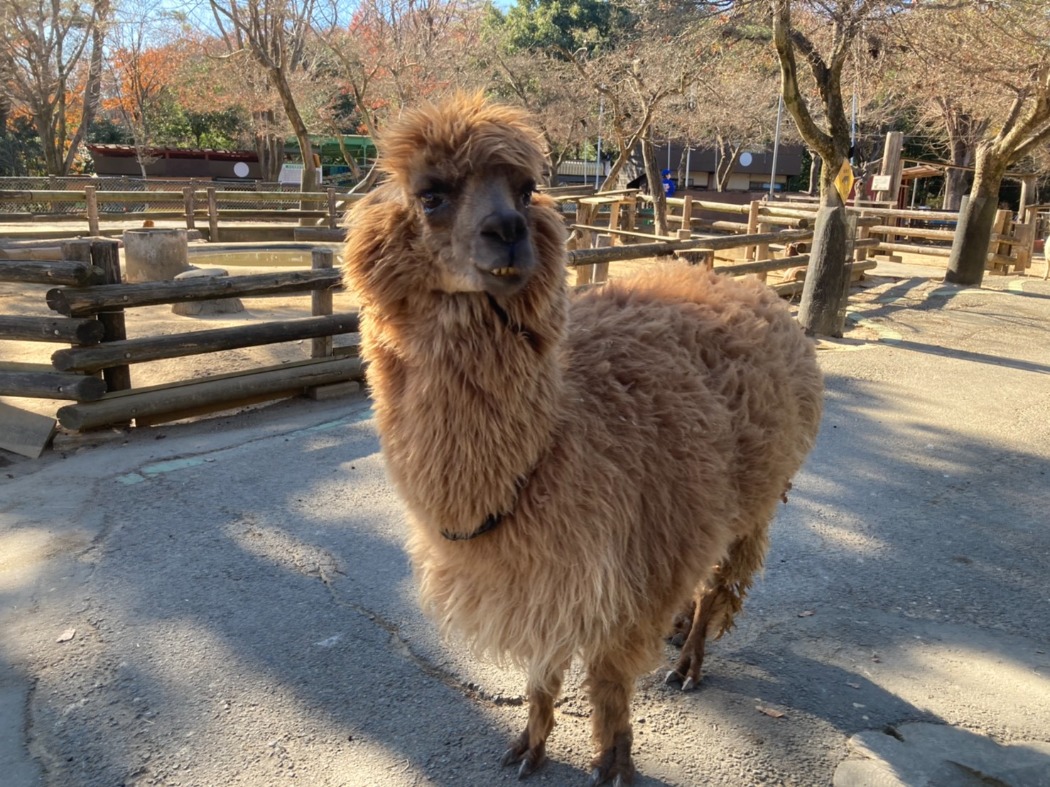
column 1002, row 101
column 141, row 67
column 274, row 34
column 395, row 53
column 733, row 105
column 42, row 45
column 823, row 34
column 548, row 87
column 633, row 89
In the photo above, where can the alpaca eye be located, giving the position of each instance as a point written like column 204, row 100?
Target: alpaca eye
column 526, row 194
column 431, row 201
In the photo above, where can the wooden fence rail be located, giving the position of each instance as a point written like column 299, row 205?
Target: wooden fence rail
column 93, row 370
column 210, row 205
column 94, row 327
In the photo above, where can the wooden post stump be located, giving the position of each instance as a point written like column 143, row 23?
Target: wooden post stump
column 155, row 254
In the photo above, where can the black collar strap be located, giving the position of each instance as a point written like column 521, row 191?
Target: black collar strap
column 490, row 523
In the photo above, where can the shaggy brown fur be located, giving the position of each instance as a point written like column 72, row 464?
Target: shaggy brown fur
column 574, row 468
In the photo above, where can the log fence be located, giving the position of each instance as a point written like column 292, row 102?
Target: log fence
column 895, row 230
column 92, row 304
column 94, row 372
column 209, row 206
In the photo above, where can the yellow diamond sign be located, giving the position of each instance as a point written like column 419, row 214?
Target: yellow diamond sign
column 844, row 180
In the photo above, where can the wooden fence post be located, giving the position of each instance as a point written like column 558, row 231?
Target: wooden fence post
column 91, row 198
column 762, row 249
column 191, row 206
column 687, row 213
column 333, row 217
column 321, row 303
column 860, row 252
column 752, row 228
column 998, row 251
column 585, row 214
column 106, row 257
column 213, row 216
column 1024, row 243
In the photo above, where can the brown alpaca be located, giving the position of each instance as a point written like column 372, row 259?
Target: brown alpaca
column 574, row 468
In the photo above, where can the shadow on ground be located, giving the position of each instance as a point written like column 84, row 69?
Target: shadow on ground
column 249, row 618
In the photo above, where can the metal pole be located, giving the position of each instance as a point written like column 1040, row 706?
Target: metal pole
column 853, row 131
column 776, row 146
column 688, row 170
column 598, row 157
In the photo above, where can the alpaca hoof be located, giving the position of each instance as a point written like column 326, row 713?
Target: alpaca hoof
column 596, row 779
column 674, row 677
column 613, row 766
column 689, row 669
column 530, row 759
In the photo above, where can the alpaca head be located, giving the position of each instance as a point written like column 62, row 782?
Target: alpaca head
column 466, row 172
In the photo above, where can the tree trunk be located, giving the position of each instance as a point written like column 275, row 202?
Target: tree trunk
column 656, row 186
column 955, row 179
column 268, row 144
column 311, row 182
column 823, row 307
column 92, row 86
column 815, row 167
column 973, row 232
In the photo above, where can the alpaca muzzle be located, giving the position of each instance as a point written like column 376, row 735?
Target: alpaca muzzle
column 504, row 253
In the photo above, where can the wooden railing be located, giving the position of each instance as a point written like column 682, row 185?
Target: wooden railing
column 191, row 205
column 94, row 373
column 612, row 218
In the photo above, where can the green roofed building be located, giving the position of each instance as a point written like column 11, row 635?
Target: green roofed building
column 360, row 148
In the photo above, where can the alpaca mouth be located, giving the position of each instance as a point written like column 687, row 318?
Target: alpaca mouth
column 504, row 279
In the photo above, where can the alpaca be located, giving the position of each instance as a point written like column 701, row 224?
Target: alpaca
column 574, row 468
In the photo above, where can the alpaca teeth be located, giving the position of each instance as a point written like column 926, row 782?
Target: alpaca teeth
column 503, row 271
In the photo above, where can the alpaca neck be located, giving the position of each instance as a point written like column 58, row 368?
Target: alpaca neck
column 466, row 395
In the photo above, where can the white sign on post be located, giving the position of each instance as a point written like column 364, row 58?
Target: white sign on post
column 291, row 173
column 881, row 183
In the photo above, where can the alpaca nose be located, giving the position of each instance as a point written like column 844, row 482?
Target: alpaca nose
column 504, row 226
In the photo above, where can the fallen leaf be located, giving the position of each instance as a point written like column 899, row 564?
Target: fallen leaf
column 773, row 712
column 66, row 635
column 852, row 685
column 807, row 614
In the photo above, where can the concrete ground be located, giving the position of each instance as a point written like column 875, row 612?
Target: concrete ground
column 227, row 602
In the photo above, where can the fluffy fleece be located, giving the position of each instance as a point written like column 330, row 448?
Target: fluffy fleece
column 620, row 443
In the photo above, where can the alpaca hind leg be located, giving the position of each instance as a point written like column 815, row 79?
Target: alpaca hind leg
column 530, row 748
column 690, row 664
column 717, row 602
column 682, row 624
column 610, row 688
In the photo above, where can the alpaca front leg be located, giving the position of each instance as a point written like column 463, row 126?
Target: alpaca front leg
column 610, row 690
column 530, row 748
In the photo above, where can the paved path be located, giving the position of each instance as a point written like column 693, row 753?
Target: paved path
column 227, row 602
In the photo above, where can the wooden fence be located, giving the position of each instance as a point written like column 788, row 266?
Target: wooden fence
column 94, row 373
column 613, row 217
column 92, row 303
column 605, row 231
column 191, row 205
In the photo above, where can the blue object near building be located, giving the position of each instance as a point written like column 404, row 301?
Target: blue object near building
column 669, row 186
